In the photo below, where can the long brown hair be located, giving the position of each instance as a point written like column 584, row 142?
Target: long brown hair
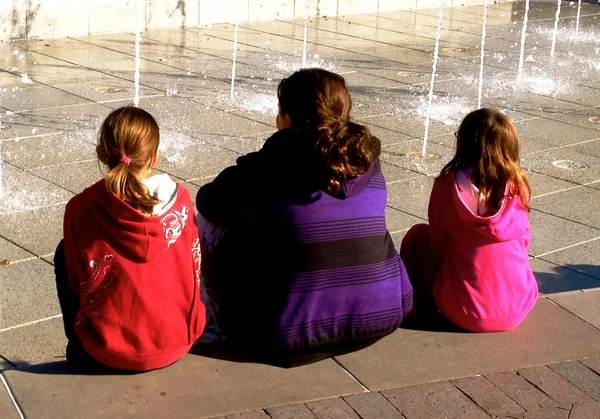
column 317, row 101
column 487, row 141
column 127, row 144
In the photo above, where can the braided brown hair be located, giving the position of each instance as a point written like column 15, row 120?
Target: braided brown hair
column 318, row 102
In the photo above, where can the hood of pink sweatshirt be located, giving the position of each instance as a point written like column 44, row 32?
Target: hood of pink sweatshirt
column 498, row 227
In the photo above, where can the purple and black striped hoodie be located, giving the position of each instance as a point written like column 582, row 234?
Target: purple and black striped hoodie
column 298, row 267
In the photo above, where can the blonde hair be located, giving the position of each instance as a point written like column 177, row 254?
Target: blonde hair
column 487, row 141
column 127, row 144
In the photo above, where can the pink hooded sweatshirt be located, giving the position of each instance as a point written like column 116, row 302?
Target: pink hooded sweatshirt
column 484, row 282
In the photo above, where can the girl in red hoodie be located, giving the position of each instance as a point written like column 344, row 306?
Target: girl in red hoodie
column 128, row 268
column 471, row 261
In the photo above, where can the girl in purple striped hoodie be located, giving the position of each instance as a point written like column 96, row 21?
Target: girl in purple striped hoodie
column 306, row 268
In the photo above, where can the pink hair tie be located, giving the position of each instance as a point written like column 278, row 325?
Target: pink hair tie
column 125, row 160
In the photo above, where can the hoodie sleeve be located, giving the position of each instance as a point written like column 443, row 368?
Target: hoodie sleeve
column 219, row 200
column 230, row 196
column 437, row 232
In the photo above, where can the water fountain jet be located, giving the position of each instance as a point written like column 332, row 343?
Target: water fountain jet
column 433, row 71
column 138, row 42
column 479, row 90
column 523, row 36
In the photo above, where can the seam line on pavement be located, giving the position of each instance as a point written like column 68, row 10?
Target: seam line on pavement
column 355, row 378
column 565, row 248
column 6, row 329
column 12, row 397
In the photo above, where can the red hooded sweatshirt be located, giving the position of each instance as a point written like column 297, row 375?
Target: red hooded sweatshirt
column 137, row 277
column 484, row 283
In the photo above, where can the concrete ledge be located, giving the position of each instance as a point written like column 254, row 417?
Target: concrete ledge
column 201, row 387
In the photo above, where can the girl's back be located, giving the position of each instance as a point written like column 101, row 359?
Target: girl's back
column 484, row 275
column 472, row 257
column 129, row 289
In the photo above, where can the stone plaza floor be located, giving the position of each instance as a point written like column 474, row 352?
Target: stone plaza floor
column 56, row 92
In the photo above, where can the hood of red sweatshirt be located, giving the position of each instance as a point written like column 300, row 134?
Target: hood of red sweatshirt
column 502, row 226
column 137, row 236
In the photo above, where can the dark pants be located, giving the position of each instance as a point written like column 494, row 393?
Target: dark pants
column 69, row 305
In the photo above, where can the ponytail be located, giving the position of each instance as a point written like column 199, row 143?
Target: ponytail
column 126, row 186
column 128, row 144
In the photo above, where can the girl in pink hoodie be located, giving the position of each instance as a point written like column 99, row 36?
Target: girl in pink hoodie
column 471, row 260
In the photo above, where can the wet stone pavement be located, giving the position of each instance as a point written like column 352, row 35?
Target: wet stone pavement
column 56, row 92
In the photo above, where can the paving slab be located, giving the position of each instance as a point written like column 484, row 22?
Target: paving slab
column 39, row 97
column 580, row 258
column 183, row 115
column 411, row 196
column 580, row 376
column 27, row 293
column 413, row 404
column 216, row 388
column 585, row 304
column 591, row 148
column 550, row 232
column 544, row 184
column 563, row 203
column 36, row 343
column 397, row 221
column 72, row 176
column 372, row 406
column 555, row 386
column 41, row 240
column 85, row 118
column 49, row 150
column 585, row 410
column 488, row 397
column 409, row 156
column 7, row 407
column 294, row 411
column 256, row 414
column 332, row 409
column 23, row 191
column 552, row 278
column 405, row 358
column 547, row 413
column 394, row 174
column 592, row 363
column 451, row 401
column 528, row 396
column 12, row 253
column 564, row 163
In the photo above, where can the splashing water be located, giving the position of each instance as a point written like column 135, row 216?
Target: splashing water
column 590, row 36
column 174, row 145
column 305, row 33
column 314, row 61
column 257, row 102
column 485, row 7
column 555, row 28
column 433, row 70
column 235, row 42
column 523, row 36
column 448, row 110
column 578, row 16
column 0, row 163
column 138, row 42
